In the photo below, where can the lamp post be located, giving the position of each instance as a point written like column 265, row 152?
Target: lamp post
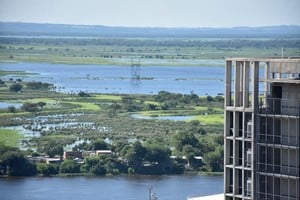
column 152, row 195
column 150, row 192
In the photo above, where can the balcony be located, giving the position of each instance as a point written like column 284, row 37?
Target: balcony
column 278, row 169
column 279, row 139
column 271, row 196
column 278, row 106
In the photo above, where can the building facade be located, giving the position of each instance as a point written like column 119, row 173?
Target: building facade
column 261, row 129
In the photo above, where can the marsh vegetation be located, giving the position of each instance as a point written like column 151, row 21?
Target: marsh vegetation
column 49, row 119
column 159, row 51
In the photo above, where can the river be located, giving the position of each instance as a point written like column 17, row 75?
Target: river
column 117, row 79
column 109, row 188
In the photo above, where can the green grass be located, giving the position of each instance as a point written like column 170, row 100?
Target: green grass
column 9, row 137
column 107, row 97
column 119, row 54
column 152, row 102
column 163, row 113
column 18, row 73
column 85, row 106
column 210, row 119
column 204, row 108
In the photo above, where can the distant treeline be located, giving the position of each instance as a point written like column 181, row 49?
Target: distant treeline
column 217, row 43
column 27, row 29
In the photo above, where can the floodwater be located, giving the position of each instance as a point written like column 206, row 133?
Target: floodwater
column 118, row 79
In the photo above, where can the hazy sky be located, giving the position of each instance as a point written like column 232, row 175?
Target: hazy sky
column 154, row 13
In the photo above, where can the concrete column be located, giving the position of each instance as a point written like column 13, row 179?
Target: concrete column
column 227, row 102
column 267, row 76
column 228, row 82
column 255, row 109
column 255, row 82
column 246, row 84
column 237, row 83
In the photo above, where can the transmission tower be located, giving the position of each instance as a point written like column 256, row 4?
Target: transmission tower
column 135, row 73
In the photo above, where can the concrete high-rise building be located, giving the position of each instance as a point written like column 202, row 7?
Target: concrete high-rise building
column 261, row 130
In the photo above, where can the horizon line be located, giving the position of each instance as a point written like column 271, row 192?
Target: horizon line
column 155, row 27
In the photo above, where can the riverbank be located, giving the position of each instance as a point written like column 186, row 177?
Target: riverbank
column 118, row 62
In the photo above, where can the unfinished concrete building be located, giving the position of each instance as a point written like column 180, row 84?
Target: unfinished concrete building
column 261, row 130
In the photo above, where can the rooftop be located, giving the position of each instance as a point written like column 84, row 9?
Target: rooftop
column 270, row 59
column 210, row 197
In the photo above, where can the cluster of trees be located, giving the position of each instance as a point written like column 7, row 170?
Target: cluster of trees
column 17, row 87
column 33, row 107
column 166, row 100
column 83, row 94
column 28, row 107
column 37, row 85
column 171, row 100
column 150, row 157
column 14, row 163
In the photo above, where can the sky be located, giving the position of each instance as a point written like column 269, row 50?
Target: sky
column 154, row 13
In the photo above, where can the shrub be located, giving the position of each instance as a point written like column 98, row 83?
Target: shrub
column 37, row 85
column 11, row 109
column 83, row 94
column 15, row 87
column 69, row 166
column 47, row 169
column 30, row 107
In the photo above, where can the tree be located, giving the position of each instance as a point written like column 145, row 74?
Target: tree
column 54, row 150
column 189, row 152
column 99, row 144
column 209, row 98
column 98, row 170
column 69, row 166
column 17, row 87
column 157, row 154
column 185, row 138
column 51, row 148
column 15, row 164
column 112, row 164
column 2, row 82
column 11, row 109
column 214, row 160
column 47, row 169
column 135, row 155
column 83, row 94
column 89, row 164
column 37, row 85
column 30, row 107
column 41, row 104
